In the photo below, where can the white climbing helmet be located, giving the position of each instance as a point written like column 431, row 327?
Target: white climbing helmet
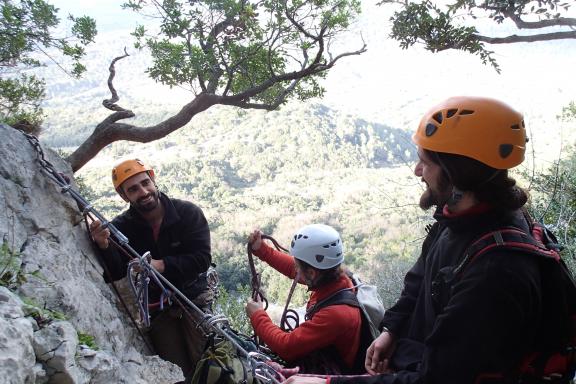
column 318, row 245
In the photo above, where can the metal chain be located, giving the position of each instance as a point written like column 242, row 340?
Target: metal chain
column 216, row 323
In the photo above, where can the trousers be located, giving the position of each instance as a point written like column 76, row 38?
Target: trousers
column 176, row 337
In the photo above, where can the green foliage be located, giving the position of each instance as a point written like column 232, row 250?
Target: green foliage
column 499, row 10
column 231, row 304
column 554, row 196
column 87, row 340
column 568, row 112
column 232, row 47
column 441, row 26
column 425, row 22
column 10, row 270
column 84, row 189
column 554, row 203
column 20, row 99
column 27, row 31
column 40, row 313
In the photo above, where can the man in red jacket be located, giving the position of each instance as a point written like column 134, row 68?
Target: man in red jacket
column 329, row 341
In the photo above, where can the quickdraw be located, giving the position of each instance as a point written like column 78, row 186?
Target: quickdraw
column 139, row 278
column 217, row 324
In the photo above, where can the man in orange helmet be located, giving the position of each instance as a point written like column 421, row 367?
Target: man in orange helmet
column 177, row 235
column 460, row 322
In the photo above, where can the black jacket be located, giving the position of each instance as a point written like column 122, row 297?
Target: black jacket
column 482, row 324
column 183, row 242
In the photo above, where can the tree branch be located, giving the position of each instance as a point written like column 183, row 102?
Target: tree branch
column 559, row 22
column 111, row 103
column 527, row 39
column 108, row 131
column 239, row 100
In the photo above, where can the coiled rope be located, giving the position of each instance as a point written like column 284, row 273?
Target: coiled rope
column 290, row 319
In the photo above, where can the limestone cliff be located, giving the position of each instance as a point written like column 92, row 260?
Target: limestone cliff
column 52, row 289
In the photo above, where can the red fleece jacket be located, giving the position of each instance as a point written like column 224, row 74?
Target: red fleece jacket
column 337, row 325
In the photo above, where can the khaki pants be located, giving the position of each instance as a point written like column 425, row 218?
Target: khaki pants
column 176, row 337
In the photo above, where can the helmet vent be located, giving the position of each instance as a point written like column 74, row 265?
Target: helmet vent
column 466, row 112
column 430, row 129
column 438, row 117
column 330, row 245
column 319, row 258
column 515, row 126
column 505, row 150
column 451, row 112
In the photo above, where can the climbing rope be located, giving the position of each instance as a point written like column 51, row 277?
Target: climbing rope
column 257, row 293
column 217, row 324
column 290, row 314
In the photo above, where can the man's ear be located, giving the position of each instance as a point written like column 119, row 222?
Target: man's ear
column 122, row 195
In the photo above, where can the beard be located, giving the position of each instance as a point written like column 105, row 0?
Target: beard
column 436, row 197
column 428, row 199
column 145, row 205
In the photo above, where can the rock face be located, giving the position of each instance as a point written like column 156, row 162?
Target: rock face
column 56, row 287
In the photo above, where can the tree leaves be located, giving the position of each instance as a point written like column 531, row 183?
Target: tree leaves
column 440, row 28
column 26, row 30
column 229, row 47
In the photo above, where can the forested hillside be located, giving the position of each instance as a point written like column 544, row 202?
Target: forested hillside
column 279, row 171
column 309, row 162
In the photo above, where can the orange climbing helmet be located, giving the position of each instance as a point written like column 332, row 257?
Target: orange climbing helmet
column 483, row 129
column 127, row 169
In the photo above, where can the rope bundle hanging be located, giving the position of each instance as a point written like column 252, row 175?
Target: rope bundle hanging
column 211, row 324
column 288, row 315
column 257, row 292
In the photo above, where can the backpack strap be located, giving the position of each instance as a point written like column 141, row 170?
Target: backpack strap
column 347, row 296
column 343, row 296
column 513, row 239
column 554, row 359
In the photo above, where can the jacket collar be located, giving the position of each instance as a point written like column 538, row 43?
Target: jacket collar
column 479, row 216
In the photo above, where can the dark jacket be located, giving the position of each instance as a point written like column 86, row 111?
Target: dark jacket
column 183, row 242
column 483, row 323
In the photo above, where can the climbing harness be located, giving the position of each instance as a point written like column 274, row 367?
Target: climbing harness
column 210, row 324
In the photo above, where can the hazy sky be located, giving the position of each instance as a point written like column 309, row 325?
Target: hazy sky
column 395, row 86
